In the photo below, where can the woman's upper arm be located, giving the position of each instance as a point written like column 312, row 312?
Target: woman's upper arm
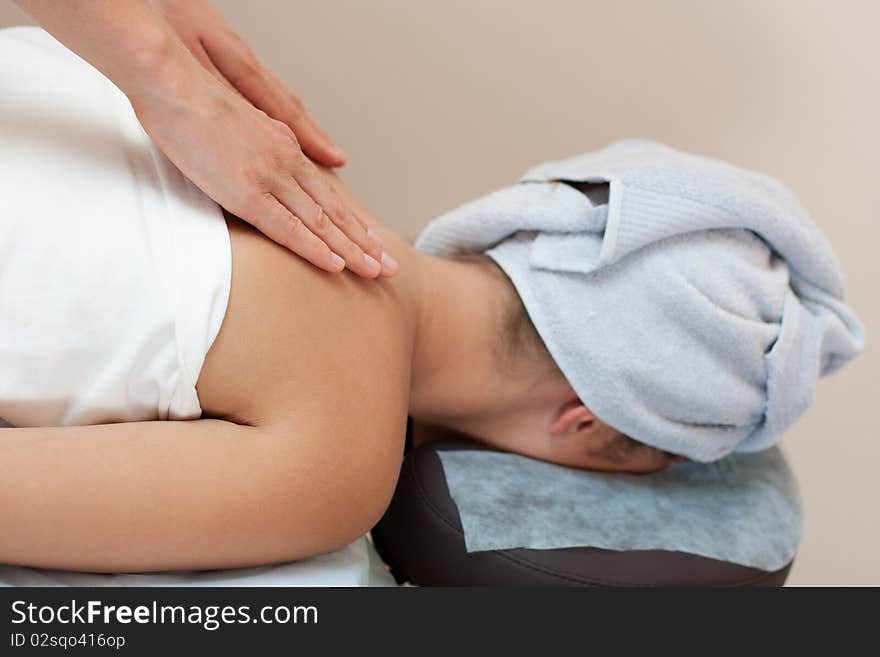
column 153, row 496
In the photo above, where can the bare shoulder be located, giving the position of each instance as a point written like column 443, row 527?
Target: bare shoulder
column 327, row 355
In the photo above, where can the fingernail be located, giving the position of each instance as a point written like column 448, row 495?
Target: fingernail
column 337, row 261
column 373, row 265
column 389, row 264
column 339, row 152
column 373, row 235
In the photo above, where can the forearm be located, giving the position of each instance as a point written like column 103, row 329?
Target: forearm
column 154, row 496
column 124, row 39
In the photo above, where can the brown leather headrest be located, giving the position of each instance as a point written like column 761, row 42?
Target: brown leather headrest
column 421, row 539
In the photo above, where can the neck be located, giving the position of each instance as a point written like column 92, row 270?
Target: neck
column 454, row 310
column 458, row 313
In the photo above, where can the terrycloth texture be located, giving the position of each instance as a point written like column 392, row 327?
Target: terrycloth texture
column 744, row 509
column 694, row 311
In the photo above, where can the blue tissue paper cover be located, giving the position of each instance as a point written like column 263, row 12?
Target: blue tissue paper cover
column 743, row 509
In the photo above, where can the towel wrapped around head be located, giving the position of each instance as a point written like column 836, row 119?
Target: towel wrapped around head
column 694, row 311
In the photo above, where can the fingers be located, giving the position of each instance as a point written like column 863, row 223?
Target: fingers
column 374, row 242
column 312, row 211
column 277, row 223
column 314, row 184
column 313, row 215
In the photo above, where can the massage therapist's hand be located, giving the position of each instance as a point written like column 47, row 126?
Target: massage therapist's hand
column 227, row 123
column 253, row 166
column 259, row 170
column 209, row 38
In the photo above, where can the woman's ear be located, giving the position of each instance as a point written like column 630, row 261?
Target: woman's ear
column 571, row 417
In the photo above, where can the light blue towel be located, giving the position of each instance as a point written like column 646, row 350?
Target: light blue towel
column 694, row 311
column 743, row 509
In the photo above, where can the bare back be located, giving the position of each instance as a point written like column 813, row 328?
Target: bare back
column 329, row 353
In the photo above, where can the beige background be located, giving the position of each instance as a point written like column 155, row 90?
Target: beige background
column 437, row 102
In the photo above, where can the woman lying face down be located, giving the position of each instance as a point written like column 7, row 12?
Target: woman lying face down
column 305, row 394
column 141, row 442
column 186, row 394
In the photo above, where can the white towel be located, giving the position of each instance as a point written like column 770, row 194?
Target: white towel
column 114, row 268
column 694, row 311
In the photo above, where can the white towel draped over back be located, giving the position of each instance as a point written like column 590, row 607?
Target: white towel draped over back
column 114, row 268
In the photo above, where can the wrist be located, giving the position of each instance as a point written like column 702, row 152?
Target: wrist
column 158, row 65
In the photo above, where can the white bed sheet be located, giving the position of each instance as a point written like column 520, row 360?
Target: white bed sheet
column 355, row 565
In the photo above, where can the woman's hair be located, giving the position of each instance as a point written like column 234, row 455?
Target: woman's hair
column 519, row 340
